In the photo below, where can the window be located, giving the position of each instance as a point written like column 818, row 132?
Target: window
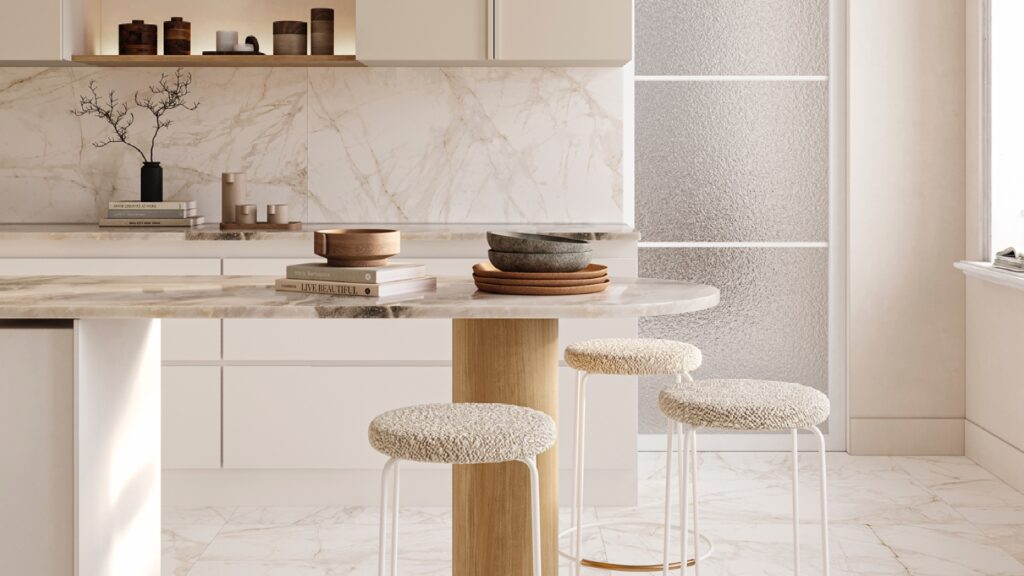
column 1006, row 121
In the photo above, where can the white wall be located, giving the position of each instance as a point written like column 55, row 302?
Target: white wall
column 906, row 226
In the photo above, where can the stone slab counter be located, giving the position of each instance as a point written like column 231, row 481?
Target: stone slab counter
column 63, row 297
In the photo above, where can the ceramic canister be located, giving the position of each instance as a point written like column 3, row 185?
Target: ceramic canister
column 321, row 39
column 232, row 193
column 226, row 40
column 289, row 38
column 136, row 39
column 245, row 214
column 177, row 37
column 277, row 213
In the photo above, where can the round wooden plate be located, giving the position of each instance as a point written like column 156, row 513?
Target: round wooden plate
column 541, row 290
column 550, row 283
column 487, row 270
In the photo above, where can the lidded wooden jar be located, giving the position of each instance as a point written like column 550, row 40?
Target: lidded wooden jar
column 177, row 37
column 290, row 38
column 136, row 39
column 322, row 31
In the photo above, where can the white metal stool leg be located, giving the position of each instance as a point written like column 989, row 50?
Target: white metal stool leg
column 577, row 504
column 396, row 470
column 796, row 504
column 383, row 541
column 824, row 500
column 669, row 434
column 535, row 513
column 696, row 515
column 576, row 547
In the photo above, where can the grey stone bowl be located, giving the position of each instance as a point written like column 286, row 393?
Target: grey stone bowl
column 539, row 261
column 534, row 243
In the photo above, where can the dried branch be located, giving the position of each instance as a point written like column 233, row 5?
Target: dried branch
column 169, row 93
column 113, row 112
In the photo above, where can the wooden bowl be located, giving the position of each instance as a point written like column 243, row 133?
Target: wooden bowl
column 357, row 246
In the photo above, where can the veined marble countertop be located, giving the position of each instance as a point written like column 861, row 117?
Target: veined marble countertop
column 209, row 232
column 64, row 297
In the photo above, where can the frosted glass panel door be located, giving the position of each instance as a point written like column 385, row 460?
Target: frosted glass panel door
column 734, row 148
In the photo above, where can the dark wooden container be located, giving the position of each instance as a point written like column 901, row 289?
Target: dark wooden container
column 177, row 37
column 321, row 25
column 136, row 39
column 290, row 38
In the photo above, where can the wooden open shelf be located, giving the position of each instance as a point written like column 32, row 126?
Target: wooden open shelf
column 222, row 61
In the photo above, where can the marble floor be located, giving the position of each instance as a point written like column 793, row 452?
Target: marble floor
column 926, row 516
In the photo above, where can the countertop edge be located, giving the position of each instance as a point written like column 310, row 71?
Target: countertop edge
column 212, row 232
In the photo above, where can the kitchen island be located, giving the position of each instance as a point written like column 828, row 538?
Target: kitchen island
column 504, row 350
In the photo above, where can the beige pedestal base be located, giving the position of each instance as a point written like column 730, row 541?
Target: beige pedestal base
column 513, row 362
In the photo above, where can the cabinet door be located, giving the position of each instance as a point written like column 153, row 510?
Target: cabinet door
column 316, row 417
column 30, row 30
column 191, row 417
column 595, row 31
column 431, row 30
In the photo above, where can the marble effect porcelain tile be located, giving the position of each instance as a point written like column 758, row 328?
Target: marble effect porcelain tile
column 947, row 550
column 466, row 145
column 866, row 538
column 251, row 120
column 182, row 546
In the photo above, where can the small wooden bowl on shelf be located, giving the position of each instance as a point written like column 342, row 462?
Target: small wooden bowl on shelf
column 356, row 246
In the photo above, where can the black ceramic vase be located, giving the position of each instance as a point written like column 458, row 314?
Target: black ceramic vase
column 152, row 182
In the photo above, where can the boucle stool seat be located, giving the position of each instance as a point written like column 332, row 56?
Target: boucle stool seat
column 753, row 405
column 633, row 356
column 463, row 433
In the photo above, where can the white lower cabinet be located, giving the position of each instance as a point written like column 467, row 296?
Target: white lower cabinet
column 191, row 417
column 317, row 417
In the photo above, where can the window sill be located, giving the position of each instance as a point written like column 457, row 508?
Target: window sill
column 985, row 271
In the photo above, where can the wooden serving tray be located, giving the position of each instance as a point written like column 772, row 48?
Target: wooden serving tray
column 231, row 53
column 542, row 290
column 549, row 283
column 487, row 270
column 228, row 227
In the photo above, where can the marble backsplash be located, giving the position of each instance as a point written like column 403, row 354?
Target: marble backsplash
column 541, row 145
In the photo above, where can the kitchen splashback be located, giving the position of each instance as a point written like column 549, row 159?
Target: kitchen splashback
column 541, row 145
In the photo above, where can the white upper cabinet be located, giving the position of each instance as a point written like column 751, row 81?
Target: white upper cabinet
column 30, row 30
column 46, row 30
column 421, row 30
column 584, row 31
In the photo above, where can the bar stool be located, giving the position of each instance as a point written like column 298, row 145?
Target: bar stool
column 463, row 433
column 621, row 357
column 747, row 405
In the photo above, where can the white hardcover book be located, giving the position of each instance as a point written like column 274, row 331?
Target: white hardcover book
column 385, row 290
column 134, row 205
column 366, row 275
column 152, row 222
column 152, row 214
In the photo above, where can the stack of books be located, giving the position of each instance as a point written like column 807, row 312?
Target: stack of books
column 152, row 214
column 1009, row 259
column 378, row 281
